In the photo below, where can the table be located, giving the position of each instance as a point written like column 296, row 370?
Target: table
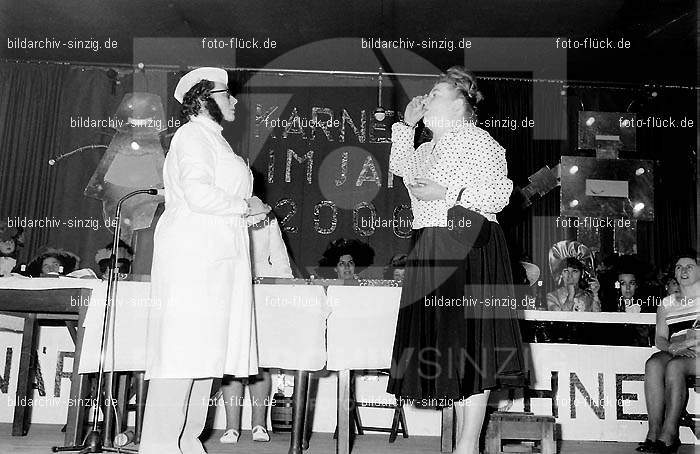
column 35, row 305
column 291, row 319
column 358, row 320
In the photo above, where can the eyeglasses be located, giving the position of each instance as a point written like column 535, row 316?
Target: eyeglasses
column 224, row 90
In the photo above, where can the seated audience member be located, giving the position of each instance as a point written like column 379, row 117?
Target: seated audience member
column 11, row 240
column 125, row 255
column 671, row 286
column 666, row 371
column 574, row 293
column 344, row 258
column 53, row 262
column 630, row 300
column 627, row 302
column 396, row 268
column 633, row 286
column 269, row 258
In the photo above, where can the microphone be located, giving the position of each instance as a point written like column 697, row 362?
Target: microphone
column 157, row 191
column 149, row 191
column 55, row 159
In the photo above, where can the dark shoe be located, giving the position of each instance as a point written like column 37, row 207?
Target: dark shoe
column 663, row 448
column 647, row 446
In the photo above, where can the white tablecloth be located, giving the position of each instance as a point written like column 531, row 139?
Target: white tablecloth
column 290, row 320
column 293, row 322
column 361, row 326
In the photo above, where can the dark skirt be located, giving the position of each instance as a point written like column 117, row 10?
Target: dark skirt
column 457, row 332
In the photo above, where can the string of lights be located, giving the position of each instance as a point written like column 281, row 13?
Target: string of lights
column 359, row 74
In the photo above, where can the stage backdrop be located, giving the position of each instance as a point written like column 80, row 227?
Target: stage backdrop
column 322, row 160
column 346, row 160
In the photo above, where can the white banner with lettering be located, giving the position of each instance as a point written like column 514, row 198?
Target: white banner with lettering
column 599, row 390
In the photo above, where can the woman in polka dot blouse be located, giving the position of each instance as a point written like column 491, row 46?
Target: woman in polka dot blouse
column 457, row 334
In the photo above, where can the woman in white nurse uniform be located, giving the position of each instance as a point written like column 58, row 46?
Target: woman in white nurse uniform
column 201, row 319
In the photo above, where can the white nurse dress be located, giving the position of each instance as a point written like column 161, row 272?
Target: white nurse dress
column 201, row 316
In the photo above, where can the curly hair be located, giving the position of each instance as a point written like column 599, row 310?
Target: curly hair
column 687, row 253
column 361, row 253
column 201, row 91
column 68, row 261
column 465, row 83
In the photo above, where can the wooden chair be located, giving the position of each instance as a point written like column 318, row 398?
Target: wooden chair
column 398, row 425
column 690, row 420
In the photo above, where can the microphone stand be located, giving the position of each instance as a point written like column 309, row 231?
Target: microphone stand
column 93, row 440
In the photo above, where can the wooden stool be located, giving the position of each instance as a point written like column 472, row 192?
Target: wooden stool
column 520, row 427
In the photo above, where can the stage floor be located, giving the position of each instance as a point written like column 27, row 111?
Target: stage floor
column 42, row 436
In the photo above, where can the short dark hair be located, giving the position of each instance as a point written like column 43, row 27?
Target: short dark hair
column 629, row 264
column 688, row 253
column 201, row 91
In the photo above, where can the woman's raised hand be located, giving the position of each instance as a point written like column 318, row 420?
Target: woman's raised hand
column 415, row 110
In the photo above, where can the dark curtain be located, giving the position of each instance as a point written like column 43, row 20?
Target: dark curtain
column 39, row 103
column 531, row 231
column 30, row 133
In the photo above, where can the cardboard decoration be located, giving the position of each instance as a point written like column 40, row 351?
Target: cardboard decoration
column 607, row 189
column 134, row 160
column 607, row 132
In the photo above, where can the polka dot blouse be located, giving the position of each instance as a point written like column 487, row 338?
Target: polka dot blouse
column 466, row 157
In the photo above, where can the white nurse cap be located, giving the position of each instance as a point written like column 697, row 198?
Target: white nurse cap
column 193, row 77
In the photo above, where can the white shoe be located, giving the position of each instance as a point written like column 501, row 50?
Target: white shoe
column 260, row 434
column 230, row 436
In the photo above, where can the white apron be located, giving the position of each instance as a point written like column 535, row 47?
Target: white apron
column 200, row 316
